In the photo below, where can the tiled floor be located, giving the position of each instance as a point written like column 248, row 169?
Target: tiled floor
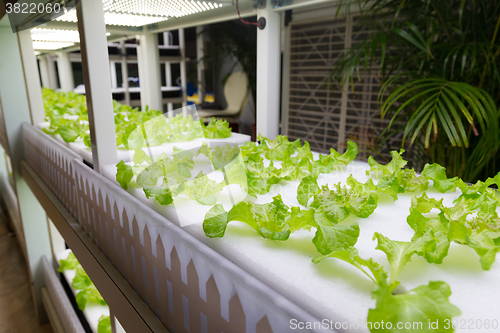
column 17, row 312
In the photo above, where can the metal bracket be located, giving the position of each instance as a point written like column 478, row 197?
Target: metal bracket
column 281, row 3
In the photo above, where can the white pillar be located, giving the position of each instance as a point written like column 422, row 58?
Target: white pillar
column 345, row 90
column 44, row 72
column 200, row 53
column 32, row 81
column 95, row 64
column 148, row 58
column 268, row 72
column 168, row 76
column 65, row 72
column 52, row 72
column 285, row 79
column 124, row 72
column 182, row 48
column 112, row 74
column 16, row 110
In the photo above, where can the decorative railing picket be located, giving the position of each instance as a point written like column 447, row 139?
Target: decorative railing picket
column 52, row 161
column 187, row 286
column 190, row 287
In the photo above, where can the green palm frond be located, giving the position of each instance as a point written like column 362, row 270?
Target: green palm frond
column 464, row 58
column 438, row 104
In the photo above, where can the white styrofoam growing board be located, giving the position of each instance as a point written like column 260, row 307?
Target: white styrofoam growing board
column 92, row 311
column 333, row 288
column 127, row 155
column 184, row 211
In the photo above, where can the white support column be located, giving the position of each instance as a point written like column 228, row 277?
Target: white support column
column 65, row 72
column 112, row 74
column 3, row 159
column 285, row 80
column 148, row 58
column 32, row 81
column 345, row 90
column 16, row 110
column 268, row 72
column 124, row 72
column 168, row 76
column 52, row 72
column 200, row 53
column 44, row 71
column 95, row 64
column 182, row 47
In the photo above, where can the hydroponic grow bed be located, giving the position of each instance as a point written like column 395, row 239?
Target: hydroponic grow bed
column 333, row 289
column 124, row 154
column 93, row 312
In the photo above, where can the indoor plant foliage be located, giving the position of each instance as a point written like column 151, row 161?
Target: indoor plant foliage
column 233, row 40
column 438, row 61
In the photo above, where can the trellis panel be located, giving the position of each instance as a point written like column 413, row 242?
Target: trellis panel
column 318, row 109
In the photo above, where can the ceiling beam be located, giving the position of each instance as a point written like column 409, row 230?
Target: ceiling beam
column 111, row 39
column 113, row 29
column 225, row 13
column 305, row 3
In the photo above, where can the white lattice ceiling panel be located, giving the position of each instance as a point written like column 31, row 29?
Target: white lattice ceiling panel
column 143, row 12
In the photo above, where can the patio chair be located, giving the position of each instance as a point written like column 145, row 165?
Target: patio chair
column 236, row 91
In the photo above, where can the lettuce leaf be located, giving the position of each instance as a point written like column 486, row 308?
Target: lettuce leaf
column 420, row 306
column 400, row 253
column 337, row 204
column 396, row 164
column 215, row 222
column 330, row 237
column 308, row 187
column 68, row 133
column 104, row 324
column 457, row 224
column 267, row 219
column 333, row 203
column 223, row 155
column 202, row 189
column 81, row 279
column 326, row 163
column 394, row 179
column 369, row 267
column 277, row 149
column 89, row 295
column 235, row 172
column 300, row 219
column 437, row 174
column 140, row 156
column 271, row 220
column 438, row 228
column 216, row 129
column 485, row 247
column 69, row 263
column 162, row 194
column 124, row 174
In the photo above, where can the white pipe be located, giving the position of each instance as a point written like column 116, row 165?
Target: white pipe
column 183, row 66
column 32, row 81
column 44, row 71
column 52, row 73
column 65, row 72
column 95, row 63
column 268, row 72
column 200, row 53
column 148, row 59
